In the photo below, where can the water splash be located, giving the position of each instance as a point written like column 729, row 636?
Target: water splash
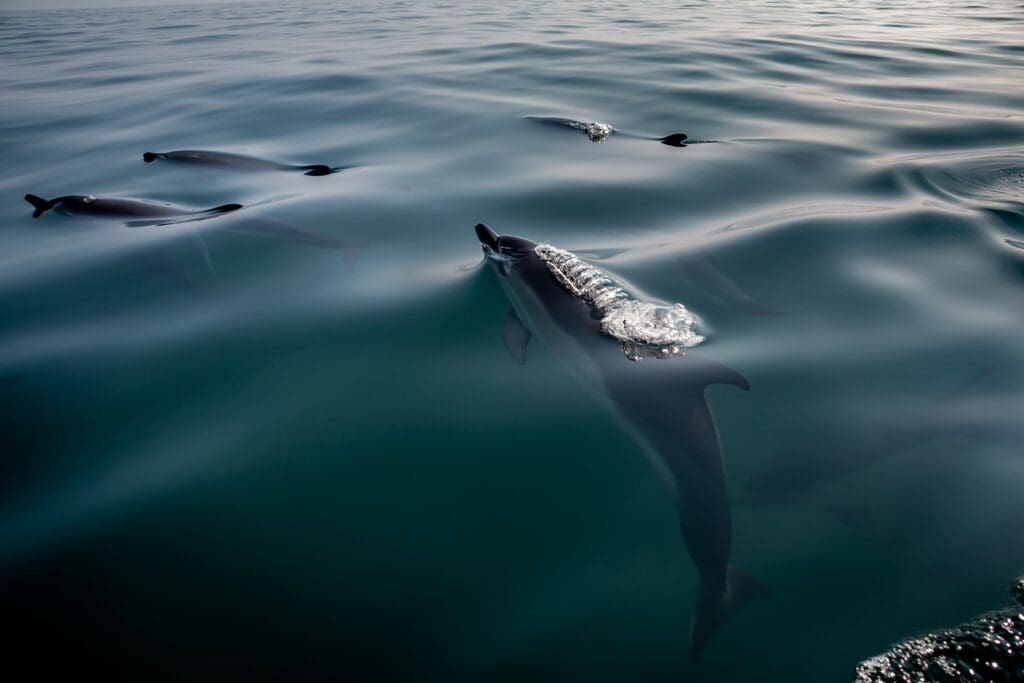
column 595, row 130
column 645, row 329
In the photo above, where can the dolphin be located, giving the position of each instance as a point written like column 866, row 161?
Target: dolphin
column 237, row 162
column 137, row 214
column 274, row 228
column 699, row 268
column 580, row 315
column 599, row 132
column 140, row 211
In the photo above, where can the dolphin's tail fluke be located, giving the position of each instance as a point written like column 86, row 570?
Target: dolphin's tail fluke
column 41, row 205
column 714, row 608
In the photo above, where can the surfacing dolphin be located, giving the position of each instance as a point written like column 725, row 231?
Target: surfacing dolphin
column 239, row 162
column 599, row 132
column 136, row 214
column 114, row 208
column 602, row 334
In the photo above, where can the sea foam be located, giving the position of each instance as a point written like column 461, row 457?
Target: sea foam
column 645, row 329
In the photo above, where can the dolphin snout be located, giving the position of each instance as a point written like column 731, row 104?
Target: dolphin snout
column 487, row 237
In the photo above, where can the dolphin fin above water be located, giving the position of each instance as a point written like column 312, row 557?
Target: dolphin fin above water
column 317, row 169
column 674, row 140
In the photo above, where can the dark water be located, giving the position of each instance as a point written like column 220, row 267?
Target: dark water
column 227, row 456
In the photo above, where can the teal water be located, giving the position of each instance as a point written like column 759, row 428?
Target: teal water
column 227, row 456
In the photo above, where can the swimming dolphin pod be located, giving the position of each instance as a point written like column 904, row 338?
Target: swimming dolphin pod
column 603, row 334
column 988, row 649
column 238, row 162
column 599, row 132
column 100, row 207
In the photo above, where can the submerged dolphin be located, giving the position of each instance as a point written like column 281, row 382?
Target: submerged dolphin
column 972, row 411
column 99, row 207
column 599, row 132
column 701, row 271
column 274, row 228
column 601, row 333
column 238, row 162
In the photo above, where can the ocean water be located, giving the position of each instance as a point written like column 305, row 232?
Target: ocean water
column 233, row 456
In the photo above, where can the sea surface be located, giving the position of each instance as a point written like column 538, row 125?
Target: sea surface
column 236, row 456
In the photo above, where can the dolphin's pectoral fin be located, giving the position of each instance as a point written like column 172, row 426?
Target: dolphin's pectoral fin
column 516, row 336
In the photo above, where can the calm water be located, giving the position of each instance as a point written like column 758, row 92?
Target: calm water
column 233, row 456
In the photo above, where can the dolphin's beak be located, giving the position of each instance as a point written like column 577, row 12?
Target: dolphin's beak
column 489, row 242
column 487, row 237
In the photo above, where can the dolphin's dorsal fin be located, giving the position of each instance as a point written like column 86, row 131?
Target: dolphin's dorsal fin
column 316, row 169
column 674, row 140
column 516, row 336
column 709, row 372
column 223, row 208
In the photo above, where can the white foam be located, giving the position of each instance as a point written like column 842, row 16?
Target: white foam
column 645, row 329
column 595, row 130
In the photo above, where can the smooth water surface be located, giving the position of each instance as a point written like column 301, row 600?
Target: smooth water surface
column 234, row 456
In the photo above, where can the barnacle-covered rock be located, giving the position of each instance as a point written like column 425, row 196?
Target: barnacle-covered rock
column 989, row 649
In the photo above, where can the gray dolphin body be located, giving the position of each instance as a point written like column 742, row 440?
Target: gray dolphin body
column 661, row 403
column 135, row 213
column 113, row 208
column 239, row 162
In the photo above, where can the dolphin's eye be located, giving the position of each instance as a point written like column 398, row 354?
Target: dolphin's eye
column 89, row 200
